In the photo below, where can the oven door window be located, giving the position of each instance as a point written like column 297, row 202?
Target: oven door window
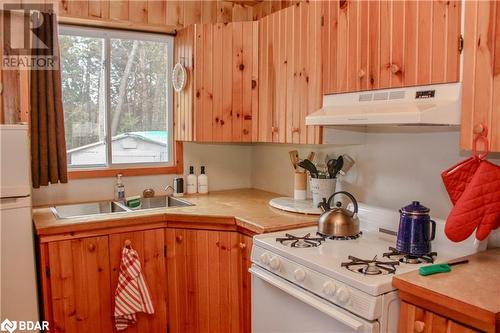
column 280, row 306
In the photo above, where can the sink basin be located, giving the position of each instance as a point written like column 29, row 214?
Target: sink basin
column 107, row 207
column 162, row 202
column 85, row 209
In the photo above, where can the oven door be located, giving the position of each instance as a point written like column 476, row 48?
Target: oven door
column 281, row 306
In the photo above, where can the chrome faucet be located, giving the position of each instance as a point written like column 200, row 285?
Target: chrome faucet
column 169, row 187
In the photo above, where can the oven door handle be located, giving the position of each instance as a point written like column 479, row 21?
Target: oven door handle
column 329, row 310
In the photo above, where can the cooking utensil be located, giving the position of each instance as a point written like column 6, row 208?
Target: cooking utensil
column 348, row 163
column 331, row 166
column 338, row 165
column 416, row 230
column 311, row 156
column 439, row 268
column 309, row 166
column 338, row 221
column 294, row 158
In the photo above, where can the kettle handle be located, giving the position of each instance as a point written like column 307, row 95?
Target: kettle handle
column 433, row 230
column 349, row 195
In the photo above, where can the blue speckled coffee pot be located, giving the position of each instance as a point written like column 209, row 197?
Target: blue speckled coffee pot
column 416, row 230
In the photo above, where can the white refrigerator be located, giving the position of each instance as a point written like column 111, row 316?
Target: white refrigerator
column 18, row 280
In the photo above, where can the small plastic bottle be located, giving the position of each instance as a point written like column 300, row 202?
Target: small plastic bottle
column 202, row 181
column 192, row 181
column 119, row 189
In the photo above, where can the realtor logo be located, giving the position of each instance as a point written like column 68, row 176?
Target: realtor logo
column 27, row 36
column 8, row 326
column 22, row 325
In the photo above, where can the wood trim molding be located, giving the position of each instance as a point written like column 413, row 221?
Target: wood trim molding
column 117, row 24
column 176, row 169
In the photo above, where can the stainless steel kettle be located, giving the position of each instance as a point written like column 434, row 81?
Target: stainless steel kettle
column 338, row 221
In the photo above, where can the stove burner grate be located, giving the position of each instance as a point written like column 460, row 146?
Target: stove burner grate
column 352, row 237
column 370, row 267
column 408, row 258
column 301, row 242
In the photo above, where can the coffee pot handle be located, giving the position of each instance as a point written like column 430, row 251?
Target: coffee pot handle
column 433, row 230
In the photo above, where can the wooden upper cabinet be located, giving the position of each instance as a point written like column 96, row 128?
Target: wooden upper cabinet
column 220, row 101
column 386, row 44
column 150, row 245
column 481, row 77
column 290, row 73
column 205, row 287
column 77, row 291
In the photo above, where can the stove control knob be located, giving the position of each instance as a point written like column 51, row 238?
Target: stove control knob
column 274, row 263
column 329, row 288
column 264, row 258
column 343, row 294
column 299, row 274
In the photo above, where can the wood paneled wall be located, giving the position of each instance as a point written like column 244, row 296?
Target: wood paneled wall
column 167, row 15
column 385, row 44
column 146, row 15
column 290, row 73
column 164, row 15
column 481, row 92
column 14, row 87
column 183, row 101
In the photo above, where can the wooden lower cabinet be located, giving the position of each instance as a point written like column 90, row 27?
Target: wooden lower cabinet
column 208, row 283
column 77, row 293
column 150, row 245
column 414, row 319
column 198, row 281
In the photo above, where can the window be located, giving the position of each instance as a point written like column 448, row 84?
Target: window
column 117, row 98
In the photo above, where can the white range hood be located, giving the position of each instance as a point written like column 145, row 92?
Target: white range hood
column 423, row 105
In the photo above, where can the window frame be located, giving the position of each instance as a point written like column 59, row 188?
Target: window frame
column 174, row 164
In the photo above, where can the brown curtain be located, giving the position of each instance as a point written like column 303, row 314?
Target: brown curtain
column 48, row 145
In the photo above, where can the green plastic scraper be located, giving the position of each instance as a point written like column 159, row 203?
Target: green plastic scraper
column 439, row 268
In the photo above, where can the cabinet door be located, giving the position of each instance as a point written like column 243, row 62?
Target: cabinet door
column 204, row 281
column 481, row 78
column 225, row 82
column 80, row 292
column 150, row 245
column 414, row 319
column 290, row 73
column 386, row 44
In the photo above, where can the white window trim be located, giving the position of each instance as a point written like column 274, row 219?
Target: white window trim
column 107, row 34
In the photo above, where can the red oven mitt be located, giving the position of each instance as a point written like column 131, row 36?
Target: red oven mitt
column 478, row 206
column 457, row 177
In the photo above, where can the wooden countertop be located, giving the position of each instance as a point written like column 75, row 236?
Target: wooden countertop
column 246, row 209
column 469, row 289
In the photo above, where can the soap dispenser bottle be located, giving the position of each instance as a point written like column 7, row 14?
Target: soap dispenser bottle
column 119, row 189
column 202, row 181
column 192, row 181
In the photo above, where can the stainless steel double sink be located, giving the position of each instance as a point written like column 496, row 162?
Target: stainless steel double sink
column 111, row 207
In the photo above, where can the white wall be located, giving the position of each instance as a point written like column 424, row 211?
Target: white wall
column 394, row 166
column 228, row 167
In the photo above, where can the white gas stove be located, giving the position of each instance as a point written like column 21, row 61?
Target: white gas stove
column 337, row 285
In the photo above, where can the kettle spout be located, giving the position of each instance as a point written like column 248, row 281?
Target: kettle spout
column 323, row 205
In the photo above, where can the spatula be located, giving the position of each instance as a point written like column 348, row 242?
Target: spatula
column 439, row 268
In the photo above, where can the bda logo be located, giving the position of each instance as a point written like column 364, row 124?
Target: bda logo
column 8, row 325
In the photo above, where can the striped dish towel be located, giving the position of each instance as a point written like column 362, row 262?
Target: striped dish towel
column 131, row 295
